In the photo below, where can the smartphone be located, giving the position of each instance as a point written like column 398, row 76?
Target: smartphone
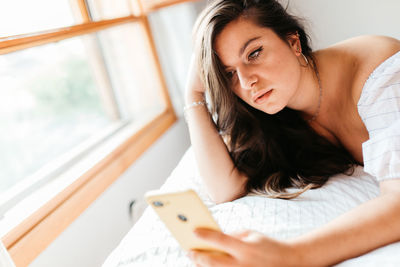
column 182, row 212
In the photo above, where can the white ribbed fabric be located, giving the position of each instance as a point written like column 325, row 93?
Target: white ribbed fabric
column 379, row 108
column 5, row 259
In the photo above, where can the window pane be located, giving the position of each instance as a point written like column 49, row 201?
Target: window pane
column 49, row 103
column 56, row 96
column 24, row 16
column 132, row 70
column 109, row 9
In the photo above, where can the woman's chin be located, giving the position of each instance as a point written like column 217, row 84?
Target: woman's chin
column 272, row 110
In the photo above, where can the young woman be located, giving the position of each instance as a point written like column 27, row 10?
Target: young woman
column 283, row 115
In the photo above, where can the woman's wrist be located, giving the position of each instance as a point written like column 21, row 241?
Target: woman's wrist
column 193, row 96
column 193, row 101
column 301, row 254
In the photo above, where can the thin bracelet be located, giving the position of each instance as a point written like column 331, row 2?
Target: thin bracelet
column 192, row 105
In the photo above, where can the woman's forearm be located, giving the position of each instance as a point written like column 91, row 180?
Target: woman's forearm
column 221, row 178
column 369, row 226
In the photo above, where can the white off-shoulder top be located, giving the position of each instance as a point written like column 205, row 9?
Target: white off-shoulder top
column 379, row 108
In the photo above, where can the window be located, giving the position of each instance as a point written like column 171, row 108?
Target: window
column 25, row 16
column 48, row 91
column 82, row 97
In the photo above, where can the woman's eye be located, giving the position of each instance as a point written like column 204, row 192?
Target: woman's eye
column 255, row 54
column 230, row 74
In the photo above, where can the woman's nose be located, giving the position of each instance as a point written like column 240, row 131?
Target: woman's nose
column 247, row 79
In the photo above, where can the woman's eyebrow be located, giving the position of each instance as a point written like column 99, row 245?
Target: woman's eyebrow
column 246, row 44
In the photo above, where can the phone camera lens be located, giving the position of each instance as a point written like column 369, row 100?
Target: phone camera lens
column 182, row 217
column 158, row 203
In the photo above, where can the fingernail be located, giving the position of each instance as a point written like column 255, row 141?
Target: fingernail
column 196, row 232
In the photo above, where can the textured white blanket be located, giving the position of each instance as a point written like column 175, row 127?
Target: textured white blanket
column 149, row 243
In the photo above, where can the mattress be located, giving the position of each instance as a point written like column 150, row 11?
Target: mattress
column 149, row 243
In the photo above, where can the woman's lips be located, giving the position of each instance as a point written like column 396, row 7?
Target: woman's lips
column 262, row 98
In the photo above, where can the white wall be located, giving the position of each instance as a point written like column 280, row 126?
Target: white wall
column 336, row 20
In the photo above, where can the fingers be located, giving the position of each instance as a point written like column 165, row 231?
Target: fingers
column 211, row 259
column 220, row 240
column 193, row 82
column 241, row 234
column 249, row 236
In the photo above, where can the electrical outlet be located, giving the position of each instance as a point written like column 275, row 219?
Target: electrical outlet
column 136, row 208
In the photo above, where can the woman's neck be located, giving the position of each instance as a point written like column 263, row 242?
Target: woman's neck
column 308, row 98
column 337, row 70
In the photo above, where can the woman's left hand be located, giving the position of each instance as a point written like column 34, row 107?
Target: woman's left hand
column 245, row 248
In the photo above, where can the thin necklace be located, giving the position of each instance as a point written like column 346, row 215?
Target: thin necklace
column 320, row 97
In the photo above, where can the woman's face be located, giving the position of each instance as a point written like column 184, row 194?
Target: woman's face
column 263, row 69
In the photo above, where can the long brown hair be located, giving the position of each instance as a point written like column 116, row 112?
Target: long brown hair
column 275, row 151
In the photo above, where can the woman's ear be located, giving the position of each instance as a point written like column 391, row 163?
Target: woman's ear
column 293, row 40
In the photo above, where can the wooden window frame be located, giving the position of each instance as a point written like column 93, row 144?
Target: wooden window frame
column 33, row 235
column 153, row 5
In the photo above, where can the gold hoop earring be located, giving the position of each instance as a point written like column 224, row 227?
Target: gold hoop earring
column 305, row 59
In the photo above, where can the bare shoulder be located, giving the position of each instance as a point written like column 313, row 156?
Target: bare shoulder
column 365, row 53
column 369, row 42
column 369, row 50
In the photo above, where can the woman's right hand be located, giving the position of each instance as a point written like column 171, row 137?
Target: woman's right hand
column 194, row 89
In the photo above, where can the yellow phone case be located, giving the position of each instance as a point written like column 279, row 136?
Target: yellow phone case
column 182, row 212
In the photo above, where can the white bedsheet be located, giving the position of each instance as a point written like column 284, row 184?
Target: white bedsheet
column 149, row 243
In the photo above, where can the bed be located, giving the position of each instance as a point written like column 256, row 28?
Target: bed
column 149, row 243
